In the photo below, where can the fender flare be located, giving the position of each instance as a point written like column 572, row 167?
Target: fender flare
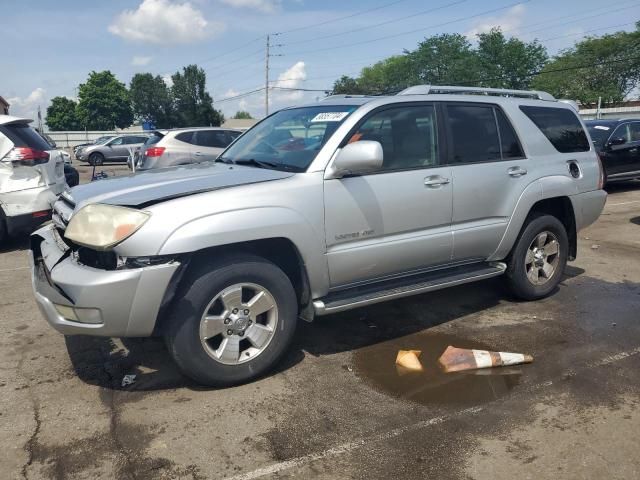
column 252, row 224
column 541, row 189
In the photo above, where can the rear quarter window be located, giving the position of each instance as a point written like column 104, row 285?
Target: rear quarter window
column 561, row 127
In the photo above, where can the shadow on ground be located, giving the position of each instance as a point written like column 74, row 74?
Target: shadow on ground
column 105, row 361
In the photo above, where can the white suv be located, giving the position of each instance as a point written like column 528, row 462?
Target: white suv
column 31, row 177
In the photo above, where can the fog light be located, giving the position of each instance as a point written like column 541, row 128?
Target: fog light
column 81, row 315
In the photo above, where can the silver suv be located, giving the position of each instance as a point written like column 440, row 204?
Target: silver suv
column 319, row 209
column 169, row 148
column 115, row 149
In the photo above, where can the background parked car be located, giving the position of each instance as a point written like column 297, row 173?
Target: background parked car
column 97, row 141
column 618, row 144
column 71, row 175
column 115, row 149
column 167, row 148
column 31, row 176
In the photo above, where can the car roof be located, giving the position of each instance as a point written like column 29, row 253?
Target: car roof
column 603, row 122
column 9, row 119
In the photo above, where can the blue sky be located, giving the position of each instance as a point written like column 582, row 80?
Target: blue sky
column 47, row 47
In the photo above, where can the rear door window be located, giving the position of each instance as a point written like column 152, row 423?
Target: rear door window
column 473, row 133
column 186, row 137
column 22, row 135
column 211, row 138
column 561, row 127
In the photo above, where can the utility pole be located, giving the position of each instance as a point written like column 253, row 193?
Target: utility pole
column 266, row 81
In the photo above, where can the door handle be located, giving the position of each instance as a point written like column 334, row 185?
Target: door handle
column 516, row 172
column 435, row 181
column 198, row 154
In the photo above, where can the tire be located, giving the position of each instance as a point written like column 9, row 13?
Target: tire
column 3, row 231
column 261, row 338
column 96, row 158
column 534, row 271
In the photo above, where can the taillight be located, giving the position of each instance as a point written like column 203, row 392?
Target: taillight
column 154, row 151
column 26, row 156
column 601, row 174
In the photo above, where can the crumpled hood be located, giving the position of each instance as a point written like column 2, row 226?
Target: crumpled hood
column 153, row 186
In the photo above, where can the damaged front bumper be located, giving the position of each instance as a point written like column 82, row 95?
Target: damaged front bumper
column 78, row 299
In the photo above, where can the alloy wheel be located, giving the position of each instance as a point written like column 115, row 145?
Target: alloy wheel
column 542, row 258
column 239, row 323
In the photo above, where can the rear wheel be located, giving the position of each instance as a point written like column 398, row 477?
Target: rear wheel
column 233, row 322
column 539, row 258
column 3, row 230
column 96, row 158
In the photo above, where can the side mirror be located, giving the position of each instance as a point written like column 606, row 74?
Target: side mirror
column 617, row 141
column 358, row 157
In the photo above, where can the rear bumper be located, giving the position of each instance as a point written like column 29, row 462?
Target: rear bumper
column 117, row 303
column 19, row 207
column 26, row 223
column 587, row 207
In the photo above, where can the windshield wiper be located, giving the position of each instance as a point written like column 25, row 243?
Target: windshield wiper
column 259, row 163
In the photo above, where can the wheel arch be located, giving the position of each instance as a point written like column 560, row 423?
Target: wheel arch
column 281, row 251
column 548, row 196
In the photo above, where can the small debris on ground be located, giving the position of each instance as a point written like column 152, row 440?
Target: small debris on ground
column 408, row 360
column 128, row 380
column 595, row 247
column 458, row 359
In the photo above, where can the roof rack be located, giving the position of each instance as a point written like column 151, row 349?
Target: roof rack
column 504, row 92
column 335, row 97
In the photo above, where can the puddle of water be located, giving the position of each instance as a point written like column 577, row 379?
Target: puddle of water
column 376, row 366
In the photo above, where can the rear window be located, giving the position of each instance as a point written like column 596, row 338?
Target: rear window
column 22, row 135
column 561, row 126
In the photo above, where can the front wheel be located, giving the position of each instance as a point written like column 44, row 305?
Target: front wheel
column 96, row 159
column 234, row 321
column 538, row 259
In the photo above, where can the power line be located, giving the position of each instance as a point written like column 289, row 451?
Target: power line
column 587, row 31
column 338, row 19
column 239, row 95
column 366, row 27
column 493, row 10
column 546, row 22
column 580, row 19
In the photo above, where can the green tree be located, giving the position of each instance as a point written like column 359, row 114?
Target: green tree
column 151, row 100
column 347, row 85
column 607, row 67
column 61, row 114
column 242, row 115
column 446, row 59
column 103, row 102
column 193, row 104
column 508, row 63
column 387, row 76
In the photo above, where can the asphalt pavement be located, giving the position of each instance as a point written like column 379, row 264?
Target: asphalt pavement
column 335, row 408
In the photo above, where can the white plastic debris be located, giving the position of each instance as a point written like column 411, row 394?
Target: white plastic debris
column 128, row 380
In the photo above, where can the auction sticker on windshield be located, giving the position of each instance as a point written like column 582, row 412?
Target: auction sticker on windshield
column 329, row 117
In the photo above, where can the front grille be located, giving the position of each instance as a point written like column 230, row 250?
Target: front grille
column 62, row 211
column 97, row 259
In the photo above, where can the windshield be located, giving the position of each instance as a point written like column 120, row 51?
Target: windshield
column 289, row 139
column 101, row 140
column 599, row 133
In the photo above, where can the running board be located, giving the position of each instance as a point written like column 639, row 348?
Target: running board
column 405, row 286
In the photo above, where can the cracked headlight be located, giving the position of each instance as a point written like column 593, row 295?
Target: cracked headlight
column 102, row 226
